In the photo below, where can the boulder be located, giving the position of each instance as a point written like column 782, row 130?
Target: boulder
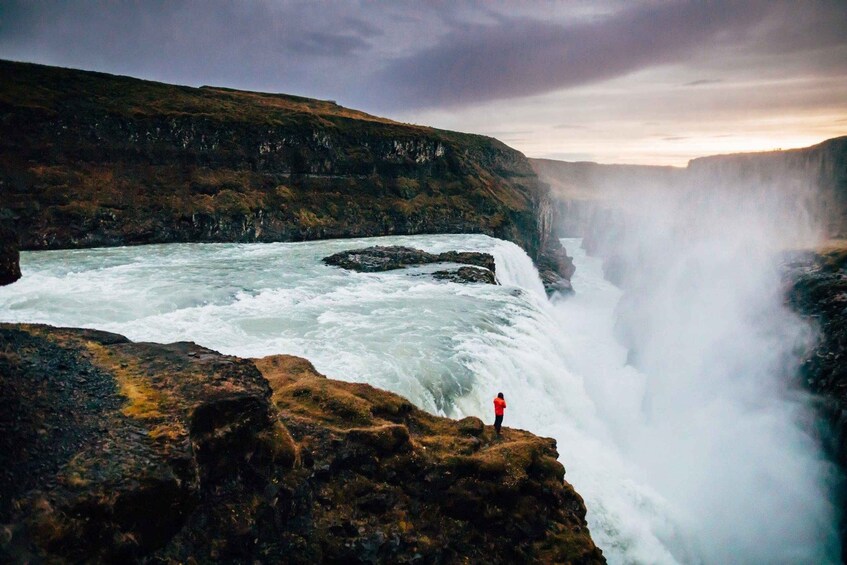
column 467, row 275
column 388, row 258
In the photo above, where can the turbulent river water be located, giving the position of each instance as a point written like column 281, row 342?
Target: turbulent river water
column 681, row 473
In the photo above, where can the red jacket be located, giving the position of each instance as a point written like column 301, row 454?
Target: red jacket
column 499, row 406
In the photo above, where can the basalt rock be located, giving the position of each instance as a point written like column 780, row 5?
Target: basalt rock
column 467, row 275
column 817, row 289
column 111, row 448
column 388, row 258
column 114, row 451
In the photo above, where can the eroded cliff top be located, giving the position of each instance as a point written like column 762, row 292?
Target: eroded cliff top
column 114, row 450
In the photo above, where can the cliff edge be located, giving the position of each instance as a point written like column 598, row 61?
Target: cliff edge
column 114, row 451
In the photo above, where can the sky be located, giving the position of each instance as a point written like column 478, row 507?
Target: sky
column 612, row 81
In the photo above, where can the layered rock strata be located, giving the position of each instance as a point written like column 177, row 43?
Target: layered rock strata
column 89, row 159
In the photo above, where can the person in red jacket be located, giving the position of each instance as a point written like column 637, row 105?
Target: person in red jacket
column 499, row 407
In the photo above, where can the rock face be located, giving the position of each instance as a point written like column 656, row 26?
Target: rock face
column 10, row 257
column 388, row 258
column 813, row 178
column 88, row 159
column 817, row 287
column 112, row 448
column 818, row 290
column 118, row 451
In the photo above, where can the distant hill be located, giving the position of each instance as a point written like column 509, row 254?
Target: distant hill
column 89, row 159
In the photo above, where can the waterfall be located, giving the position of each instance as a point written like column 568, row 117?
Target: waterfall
column 699, row 455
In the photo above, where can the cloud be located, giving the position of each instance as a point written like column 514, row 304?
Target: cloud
column 582, row 75
column 702, row 82
column 517, row 57
column 521, row 57
column 292, row 47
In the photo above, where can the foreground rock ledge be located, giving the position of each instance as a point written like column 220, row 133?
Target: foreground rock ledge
column 115, row 451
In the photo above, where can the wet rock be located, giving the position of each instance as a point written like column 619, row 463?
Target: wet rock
column 379, row 258
column 388, row 258
column 10, row 268
column 817, row 289
column 467, row 275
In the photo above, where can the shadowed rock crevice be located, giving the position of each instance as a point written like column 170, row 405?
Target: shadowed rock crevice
column 10, row 257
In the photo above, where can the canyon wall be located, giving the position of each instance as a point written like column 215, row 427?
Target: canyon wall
column 89, row 159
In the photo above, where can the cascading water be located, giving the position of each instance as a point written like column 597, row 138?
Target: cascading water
column 656, row 478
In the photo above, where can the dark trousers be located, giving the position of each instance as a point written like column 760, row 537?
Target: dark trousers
column 498, row 421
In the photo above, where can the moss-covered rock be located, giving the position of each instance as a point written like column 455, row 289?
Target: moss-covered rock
column 118, row 451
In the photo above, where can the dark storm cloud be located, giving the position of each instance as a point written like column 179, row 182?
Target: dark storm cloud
column 408, row 55
column 256, row 45
column 519, row 57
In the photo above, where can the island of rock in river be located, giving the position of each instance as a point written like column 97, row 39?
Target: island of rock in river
column 388, row 258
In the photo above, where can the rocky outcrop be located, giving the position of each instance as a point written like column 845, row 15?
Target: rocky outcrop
column 10, row 257
column 817, row 289
column 88, row 159
column 116, row 451
column 467, row 275
column 113, row 448
column 386, row 258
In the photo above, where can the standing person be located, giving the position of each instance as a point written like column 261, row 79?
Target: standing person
column 499, row 407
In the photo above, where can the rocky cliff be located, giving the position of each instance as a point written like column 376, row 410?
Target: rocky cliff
column 88, row 159
column 817, row 284
column 810, row 180
column 817, row 289
column 814, row 178
column 114, row 451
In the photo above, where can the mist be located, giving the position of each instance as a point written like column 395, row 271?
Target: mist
column 723, row 432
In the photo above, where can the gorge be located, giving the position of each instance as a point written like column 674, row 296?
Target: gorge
column 168, row 214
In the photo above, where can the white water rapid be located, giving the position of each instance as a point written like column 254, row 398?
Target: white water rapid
column 673, row 469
